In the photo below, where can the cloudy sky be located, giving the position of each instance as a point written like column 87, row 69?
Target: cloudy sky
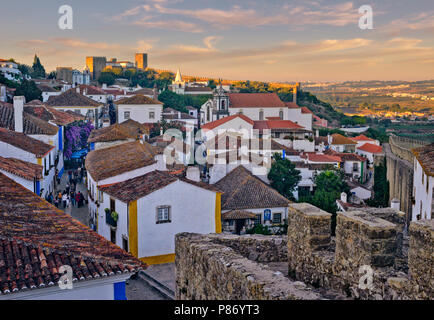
column 272, row 40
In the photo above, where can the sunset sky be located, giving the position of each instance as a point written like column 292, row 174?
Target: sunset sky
column 271, row 40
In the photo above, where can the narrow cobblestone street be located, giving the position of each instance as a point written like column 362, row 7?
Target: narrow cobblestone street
column 80, row 214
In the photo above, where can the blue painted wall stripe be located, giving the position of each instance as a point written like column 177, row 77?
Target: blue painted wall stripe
column 119, row 291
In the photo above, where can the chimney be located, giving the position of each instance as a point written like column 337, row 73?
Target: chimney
column 344, row 197
column 18, row 113
column 77, row 89
column 179, row 114
column 317, row 133
column 104, row 85
column 161, row 131
column 394, row 204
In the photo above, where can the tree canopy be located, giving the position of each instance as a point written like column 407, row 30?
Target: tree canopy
column 29, row 90
column 38, row 70
column 283, row 176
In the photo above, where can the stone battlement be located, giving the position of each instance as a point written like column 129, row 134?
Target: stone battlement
column 359, row 263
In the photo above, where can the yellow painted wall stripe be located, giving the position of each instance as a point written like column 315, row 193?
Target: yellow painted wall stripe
column 218, row 212
column 165, row 258
column 133, row 230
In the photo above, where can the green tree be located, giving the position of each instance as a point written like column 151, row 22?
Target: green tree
column 52, row 75
column 107, row 78
column 329, row 186
column 25, row 69
column 38, row 68
column 283, row 176
column 172, row 100
column 29, row 90
column 381, row 186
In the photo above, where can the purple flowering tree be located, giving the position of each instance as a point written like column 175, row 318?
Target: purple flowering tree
column 76, row 136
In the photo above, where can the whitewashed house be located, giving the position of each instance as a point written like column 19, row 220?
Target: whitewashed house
column 244, row 192
column 423, row 183
column 10, row 70
column 73, row 100
column 115, row 164
column 139, row 108
column 340, row 143
column 152, row 208
column 27, row 174
column 369, row 151
column 362, row 139
column 18, row 145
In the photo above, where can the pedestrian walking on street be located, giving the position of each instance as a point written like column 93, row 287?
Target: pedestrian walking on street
column 69, row 176
column 77, row 199
column 56, row 202
column 64, row 199
column 72, row 196
column 67, row 188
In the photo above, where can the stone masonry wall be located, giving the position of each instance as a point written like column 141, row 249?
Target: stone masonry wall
column 207, row 270
column 359, row 263
column 363, row 240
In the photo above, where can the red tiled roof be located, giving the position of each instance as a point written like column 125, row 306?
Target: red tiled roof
column 36, row 239
column 138, row 100
column 314, row 157
column 33, row 123
column 255, row 100
column 305, row 110
column 362, row 137
column 23, row 169
column 371, row 148
column 292, row 105
column 339, row 139
column 71, row 98
column 242, row 191
column 217, row 123
column 91, row 90
column 238, row 215
column 425, row 156
column 276, row 124
column 113, row 161
column 26, row 143
column 139, row 187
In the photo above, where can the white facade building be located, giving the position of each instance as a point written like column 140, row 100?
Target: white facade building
column 423, row 183
column 152, row 209
column 139, row 108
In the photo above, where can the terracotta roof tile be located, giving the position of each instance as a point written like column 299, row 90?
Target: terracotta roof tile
column 371, row 148
column 237, row 215
column 362, row 137
column 425, row 156
column 339, row 139
column 323, row 158
column 36, row 239
column 217, row 123
column 71, row 98
column 139, row 187
column 112, row 161
column 32, row 125
column 108, row 134
column 24, row 142
column 138, row 99
column 277, row 124
column 255, row 100
column 23, row 169
column 242, row 190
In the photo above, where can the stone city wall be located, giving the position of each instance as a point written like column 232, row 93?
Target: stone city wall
column 363, row 242
column 359, row 263
column 208, row 270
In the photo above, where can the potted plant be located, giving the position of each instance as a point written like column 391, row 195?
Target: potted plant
column 115, row 216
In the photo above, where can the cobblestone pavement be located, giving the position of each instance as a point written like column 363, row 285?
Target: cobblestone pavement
column 80, row 214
